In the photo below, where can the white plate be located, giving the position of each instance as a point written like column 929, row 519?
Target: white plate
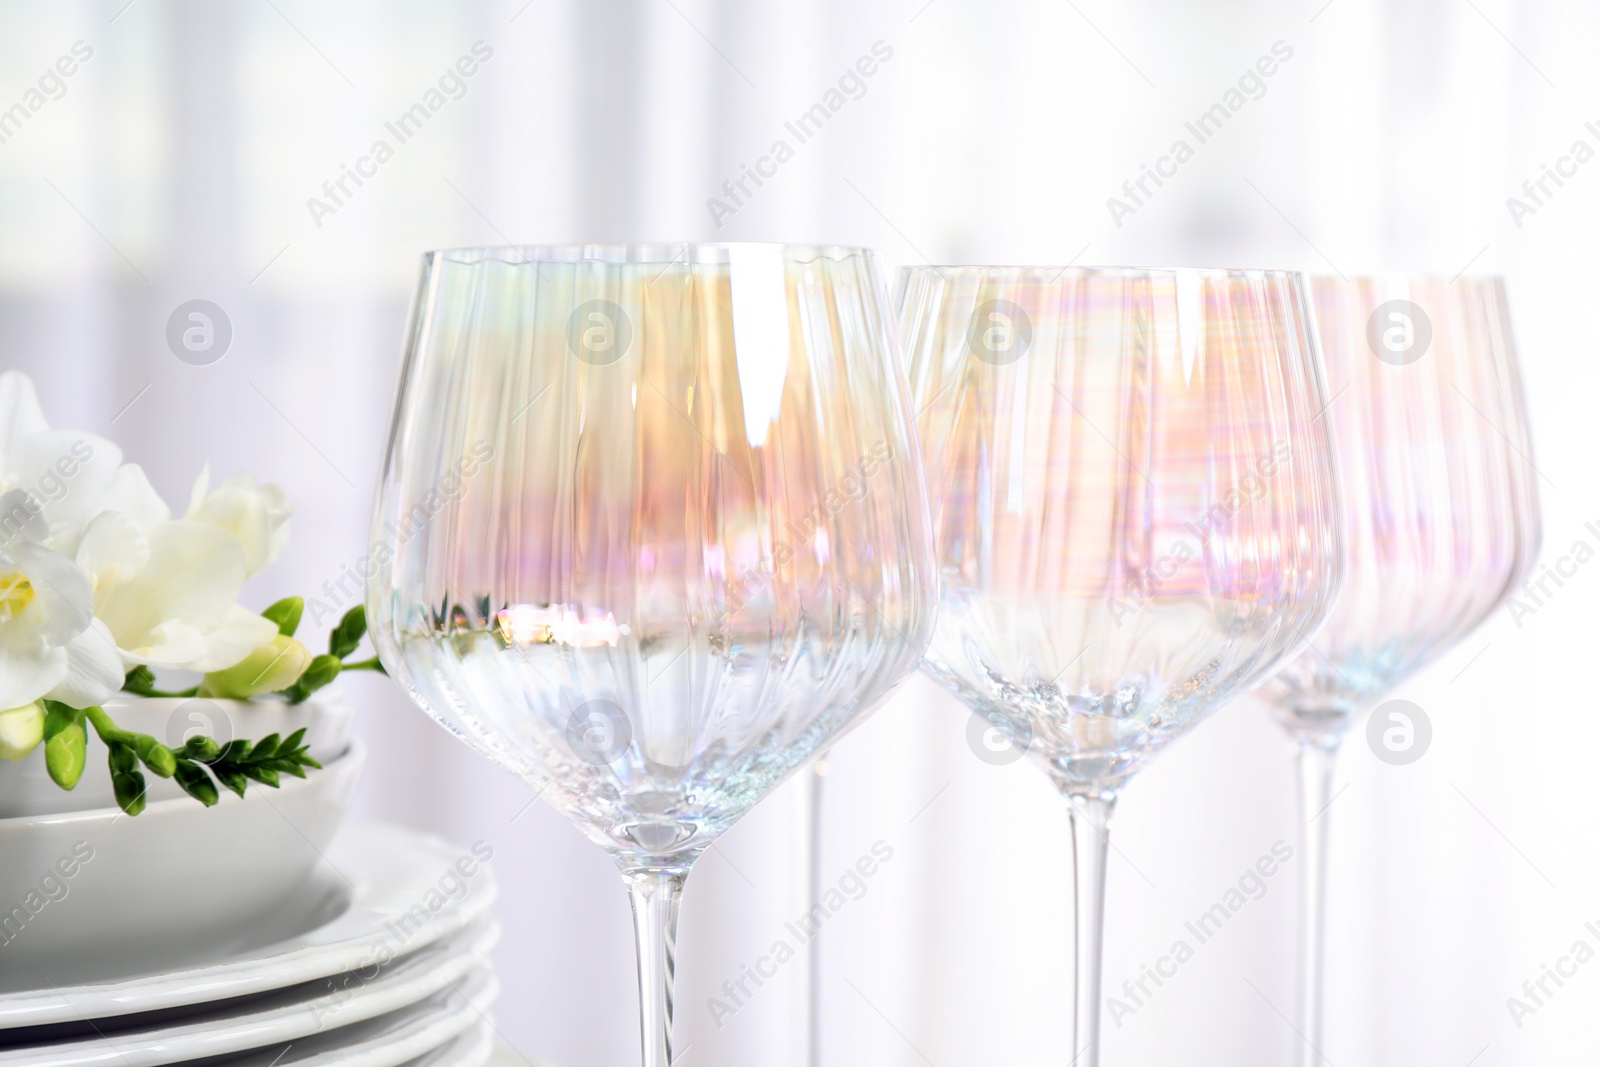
column 178, row 1035
column 471, row 1049
column 381, row 887
column 388, row 1041
column 94, row 895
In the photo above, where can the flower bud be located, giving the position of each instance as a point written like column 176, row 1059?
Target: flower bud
column 66, row 752
column 21, row 730
column 273, row 666
column 258, row 515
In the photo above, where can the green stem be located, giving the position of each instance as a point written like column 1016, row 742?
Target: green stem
column 193, row 691
column 107, row 730
column 161, row 760
column 372, row 664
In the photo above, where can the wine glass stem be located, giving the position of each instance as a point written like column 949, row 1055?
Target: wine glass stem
column 807, row 1051
column 655, row 895
column 1315, row 765
column 1091, row 824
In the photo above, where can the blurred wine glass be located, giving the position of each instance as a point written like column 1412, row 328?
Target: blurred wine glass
column 1441, row 524
column 1134, row 512
column 651, row 531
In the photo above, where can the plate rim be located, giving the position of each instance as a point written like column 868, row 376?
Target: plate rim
column 477, row 1038
column 246, row 1029
column 479, row 984
column 341, row 944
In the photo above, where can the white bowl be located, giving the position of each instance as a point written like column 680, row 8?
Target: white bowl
column 26, row 788
column 97, row 894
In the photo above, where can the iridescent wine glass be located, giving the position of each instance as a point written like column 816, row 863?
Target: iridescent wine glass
column 652, row 530
column 1135, row 516
column 1441, row 524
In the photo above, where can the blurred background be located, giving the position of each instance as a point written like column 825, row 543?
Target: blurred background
column 195, row 154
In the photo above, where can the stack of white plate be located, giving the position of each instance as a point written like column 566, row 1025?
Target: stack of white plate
column 380, row 959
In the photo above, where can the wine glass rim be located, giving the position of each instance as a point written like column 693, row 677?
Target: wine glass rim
column 646, row 253
column 1073, row 270
column 1408, row 277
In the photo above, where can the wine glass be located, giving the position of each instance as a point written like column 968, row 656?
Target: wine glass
column 1441, row 524
column 1134, row 510
column 651, row 531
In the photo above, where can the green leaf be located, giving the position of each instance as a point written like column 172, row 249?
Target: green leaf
column 265, row 748
column 57, row 712
column 348, row 634
column 263, row 762
column 285, row 614
column 234, row 751
column 66, row 744
column 196, row 782
column 263, row 774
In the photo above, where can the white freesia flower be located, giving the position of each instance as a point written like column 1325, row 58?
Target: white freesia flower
column 258, row 515
column 64, row 473
column 166, row 588
column 96, row 576
column 50, row 646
